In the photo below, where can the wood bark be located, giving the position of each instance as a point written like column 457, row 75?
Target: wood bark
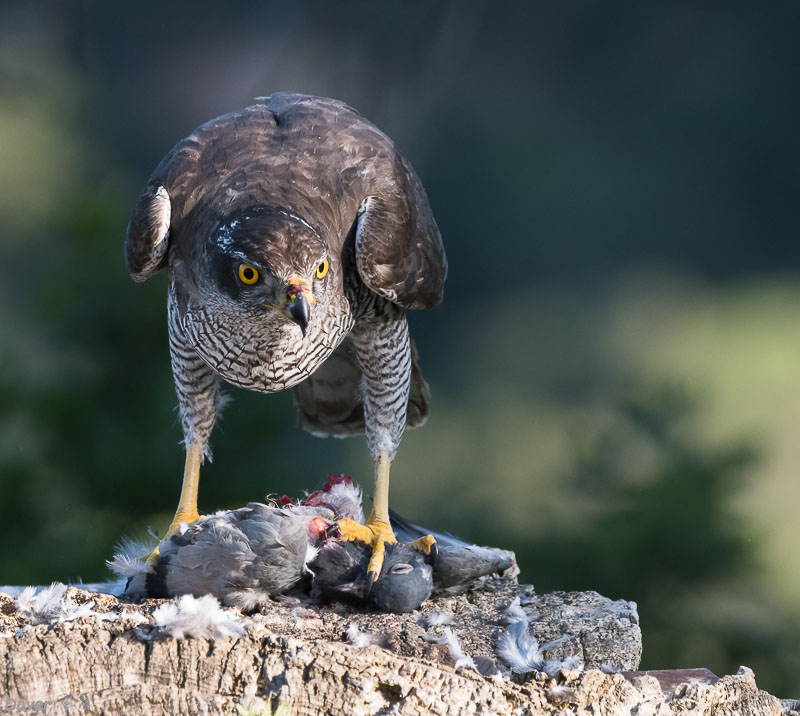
column 298, row 654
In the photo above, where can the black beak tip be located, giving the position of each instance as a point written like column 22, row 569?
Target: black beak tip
column 300, row 311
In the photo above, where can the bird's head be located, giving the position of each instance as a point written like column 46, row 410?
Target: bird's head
column 267, row 260
column 405, row 581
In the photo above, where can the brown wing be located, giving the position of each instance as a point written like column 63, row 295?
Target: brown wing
column 160, row 206
column 147, row 237
column 329, row 401
column 399, row 249
column 314, row 156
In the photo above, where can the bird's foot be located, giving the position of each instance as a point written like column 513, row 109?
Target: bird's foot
column 426, row 545
column 182, row 520
column 177, row 526
column 377, row 534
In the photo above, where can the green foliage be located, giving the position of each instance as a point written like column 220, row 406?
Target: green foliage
column 663, row 535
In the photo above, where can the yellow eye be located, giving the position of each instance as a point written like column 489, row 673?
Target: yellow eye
column 322, row 269
column 248, row 274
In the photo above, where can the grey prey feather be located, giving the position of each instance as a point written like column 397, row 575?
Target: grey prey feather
column 242, row 557
column 458, row 562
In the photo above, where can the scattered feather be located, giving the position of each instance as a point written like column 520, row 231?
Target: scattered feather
column 361, row 638
column 460, row 659
column 518, row 649
column 560, row 694
column 135, row 616
column 515, row 613
column 126, row 567
column 574, row 662
column 304, row 613
column 521, row 651
column 550, row 644
column 49, row 604
column 249, row 599
column 198, row 617
column 437, row 619
column 127, row 561
column 498, row 678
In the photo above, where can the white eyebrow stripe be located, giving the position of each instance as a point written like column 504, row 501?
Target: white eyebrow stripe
column 300, row 219
column 246, row 259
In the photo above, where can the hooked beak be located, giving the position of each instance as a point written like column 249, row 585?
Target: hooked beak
column 298, row 305
column 300, row 312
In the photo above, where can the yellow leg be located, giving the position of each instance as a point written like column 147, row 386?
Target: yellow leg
column 380, row 500
column 377, row 531
column 378, row 520
column 187, row 504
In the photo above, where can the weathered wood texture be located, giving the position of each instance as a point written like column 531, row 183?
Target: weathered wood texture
column 300, row 656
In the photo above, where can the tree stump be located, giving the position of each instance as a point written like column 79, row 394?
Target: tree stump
column 117, row 660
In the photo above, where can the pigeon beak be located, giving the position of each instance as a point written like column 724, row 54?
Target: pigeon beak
column 298, row 305
column 359, row 589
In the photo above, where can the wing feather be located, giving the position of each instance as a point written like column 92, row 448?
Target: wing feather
column 399, row 250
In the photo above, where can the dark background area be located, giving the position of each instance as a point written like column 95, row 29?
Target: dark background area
column 615, row 368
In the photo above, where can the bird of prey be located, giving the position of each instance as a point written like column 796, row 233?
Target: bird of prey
column 296, row 235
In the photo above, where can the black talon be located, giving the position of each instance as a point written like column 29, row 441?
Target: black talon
column 433, row 555
column 369, row 582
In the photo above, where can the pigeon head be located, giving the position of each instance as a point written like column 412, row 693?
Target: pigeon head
column 405, row 581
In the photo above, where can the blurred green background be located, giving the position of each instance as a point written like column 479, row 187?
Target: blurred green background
column 615, row 369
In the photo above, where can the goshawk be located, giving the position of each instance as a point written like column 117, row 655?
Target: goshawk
column 296, row 235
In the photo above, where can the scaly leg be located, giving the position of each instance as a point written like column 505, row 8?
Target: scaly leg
column 187, row 503
column 377, row 531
